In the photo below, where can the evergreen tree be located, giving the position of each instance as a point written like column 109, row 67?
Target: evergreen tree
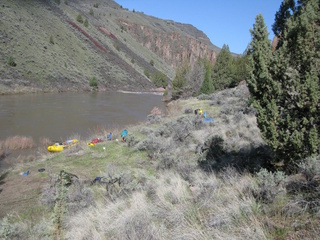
column 264, row 90
column 159, row 79
column 223, row 69
column 207, row 85
column 179, row 80
column 285, row 86
column 285, row 11
column 239, row 70
column 299, row 74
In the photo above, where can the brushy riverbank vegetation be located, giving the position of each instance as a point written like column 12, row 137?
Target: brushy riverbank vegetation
column 176, row 177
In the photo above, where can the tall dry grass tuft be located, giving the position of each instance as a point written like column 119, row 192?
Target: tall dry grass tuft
column 174, row 108
column 44, row 142
column 156, row 111
column 18, row 142
column 211, row 207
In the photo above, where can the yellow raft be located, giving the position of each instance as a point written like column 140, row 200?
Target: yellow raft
column 58, row 147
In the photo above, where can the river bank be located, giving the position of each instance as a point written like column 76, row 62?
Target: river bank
column 176, row 175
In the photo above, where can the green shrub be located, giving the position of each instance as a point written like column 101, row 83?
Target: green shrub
column 132, row 60
column 57, row 2
column 66, row 2
column 304, row 188
column 11, row 62
column 51, row 40
column 79, row 18
column 147, row 72
column 93, row 83
column 151, row 62
column 96, row 5
column 117, row 47
column 159, row 79
column 7, row 228
column 86, row 24
column 91, row 12
column 269, row 185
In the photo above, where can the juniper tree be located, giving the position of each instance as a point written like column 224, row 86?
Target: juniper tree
column 239, row 70
column 222, row 69
column 207, row 84
column 285, row 86
column 264, row 90
column 298, row 70
column 285, row 11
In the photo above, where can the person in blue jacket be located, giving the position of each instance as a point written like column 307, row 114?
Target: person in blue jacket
column 124, row 135
column 110, row 136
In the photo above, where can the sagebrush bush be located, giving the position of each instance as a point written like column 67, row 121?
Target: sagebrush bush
column 304, row 188
column 79, row 197
column 154, row 144
column 119, row 183
column 11, row 62
column 79, row 18
column 146, row 130
column 166, row 160
column 132, row 141
column 269, row 185
column 203, row 96
column 154, row 118
column 188, row 110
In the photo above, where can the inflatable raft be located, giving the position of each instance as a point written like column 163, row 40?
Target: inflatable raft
column 58, row 147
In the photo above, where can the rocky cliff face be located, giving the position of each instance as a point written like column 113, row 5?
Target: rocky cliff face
column 172, row 47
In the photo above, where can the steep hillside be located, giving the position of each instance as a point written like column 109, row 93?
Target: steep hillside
column 60, row 45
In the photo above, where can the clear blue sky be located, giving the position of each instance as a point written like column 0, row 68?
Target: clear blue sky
column 223, row 21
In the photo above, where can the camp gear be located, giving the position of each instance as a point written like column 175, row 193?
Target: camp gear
column 94, row 142
column 58, row 147
column 208, row 120
column 198, row 111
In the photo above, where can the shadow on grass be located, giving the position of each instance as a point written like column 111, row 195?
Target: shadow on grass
column 2, row 177
column 215, row 157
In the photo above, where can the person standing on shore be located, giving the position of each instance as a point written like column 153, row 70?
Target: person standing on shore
column 124, row 135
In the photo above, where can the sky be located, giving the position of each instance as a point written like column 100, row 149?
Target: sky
column 223, row 21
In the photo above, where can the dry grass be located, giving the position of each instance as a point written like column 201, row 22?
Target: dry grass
column 174, row 108
column 18, row 142
column 44, row 142
column 156, row 111
column 210, row 208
